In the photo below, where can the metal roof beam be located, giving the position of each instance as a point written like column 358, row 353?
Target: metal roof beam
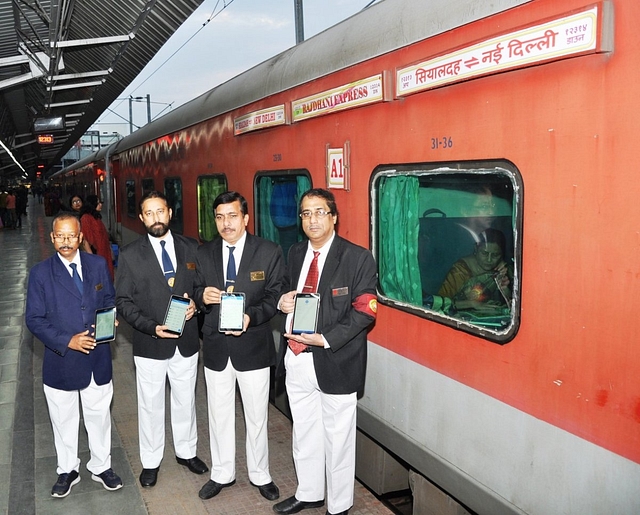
column 75, row 85
column 13, row 60
column 70, row 76
column 92, row 41
column 63, row 104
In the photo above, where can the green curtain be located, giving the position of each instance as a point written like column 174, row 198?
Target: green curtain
column 208, row 189
column 304, row 184
column 267, row 229
column 398, row 236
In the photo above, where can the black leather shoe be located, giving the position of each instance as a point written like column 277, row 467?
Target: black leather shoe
column 345, row 512
column 148, row 477
column 211, row 489
column 269, row 491
column 292, row 505
column 195, row 464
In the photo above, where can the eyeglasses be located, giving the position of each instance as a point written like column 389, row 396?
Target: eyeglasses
column 77, row 201
column 319, row 213
column 60, row 237
column 231, row 217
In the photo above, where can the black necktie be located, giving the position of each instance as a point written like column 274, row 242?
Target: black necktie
column 76, row 277
column 231, row 270
column 169, row 272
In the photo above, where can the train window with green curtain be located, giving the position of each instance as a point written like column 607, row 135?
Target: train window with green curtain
column 130, row 194
column 447, row 238
column 208, row 188
column 277, row 195
column 147, row 185
column 173, row 192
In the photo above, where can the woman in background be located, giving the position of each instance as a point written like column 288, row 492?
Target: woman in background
column 481, row 281
column 96, row 238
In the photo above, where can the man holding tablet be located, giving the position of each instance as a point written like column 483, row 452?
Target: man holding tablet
column 325, row 360
column 241, row 279
column 152, row 271
column 64, row 293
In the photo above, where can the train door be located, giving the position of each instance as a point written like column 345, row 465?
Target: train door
column 277, row 195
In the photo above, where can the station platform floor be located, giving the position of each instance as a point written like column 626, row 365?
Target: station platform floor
column 27, row 454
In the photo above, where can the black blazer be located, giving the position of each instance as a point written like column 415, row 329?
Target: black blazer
column 349, row 272
column 259, row 277
column 142, row 296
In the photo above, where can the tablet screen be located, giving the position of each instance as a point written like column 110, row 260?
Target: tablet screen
column 305, row 313
column 176, row 314
column 105, row 325
column 231, row 312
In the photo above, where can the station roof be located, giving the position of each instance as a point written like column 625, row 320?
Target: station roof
column 63, row 62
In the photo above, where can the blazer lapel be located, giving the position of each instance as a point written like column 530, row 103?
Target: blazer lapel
column 62, row 276
column 247, row 256
column 217, row 263
column 297, row 260
column 331, row 264
column 148, row 256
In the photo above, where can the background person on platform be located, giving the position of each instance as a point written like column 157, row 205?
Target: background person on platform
column 60, row 313
column 325, row 370
column 240, row 262
column 150, row 270
column 96, row 237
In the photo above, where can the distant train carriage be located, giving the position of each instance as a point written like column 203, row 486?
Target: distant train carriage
column 451, row 133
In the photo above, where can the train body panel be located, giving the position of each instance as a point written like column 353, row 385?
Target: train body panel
column 549, row 421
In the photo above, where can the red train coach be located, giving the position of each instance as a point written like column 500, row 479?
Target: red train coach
column 435, row 124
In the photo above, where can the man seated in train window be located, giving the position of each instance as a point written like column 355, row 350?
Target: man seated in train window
column 481, row 281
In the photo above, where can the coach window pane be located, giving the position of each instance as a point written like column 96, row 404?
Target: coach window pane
column 209, row 187
column 147, row 186
column 173, row 192
column 277, row 197
column 445, row 243
column 130, row 192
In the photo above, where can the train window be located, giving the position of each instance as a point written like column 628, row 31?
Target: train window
column 130, row 194
column 173, row 192
column 208, row 188
column 147, row 185
column 447, row 240
column 277, row 195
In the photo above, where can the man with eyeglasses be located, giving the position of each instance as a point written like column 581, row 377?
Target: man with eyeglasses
column 238, row 262
column 325, row 368
column 63, row 295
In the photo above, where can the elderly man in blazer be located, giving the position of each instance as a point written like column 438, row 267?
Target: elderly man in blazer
column 64, row 293
column 325, row 369
column 150, row 270
column 242, row 263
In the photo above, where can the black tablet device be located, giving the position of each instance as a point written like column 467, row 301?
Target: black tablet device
column 305, row 313
column 176, row 314
column 231, row 312
column 105, row 326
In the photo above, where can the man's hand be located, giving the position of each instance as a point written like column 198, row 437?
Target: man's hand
column 82, row 342
column 211, row 295
column 287, row 302
column 314, row 339
column 161, row 332
column 191, row 310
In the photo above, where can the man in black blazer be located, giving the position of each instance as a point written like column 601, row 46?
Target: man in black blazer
column 238, row 262
column 325, row 369
column 150, row 270
column 64, row 293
